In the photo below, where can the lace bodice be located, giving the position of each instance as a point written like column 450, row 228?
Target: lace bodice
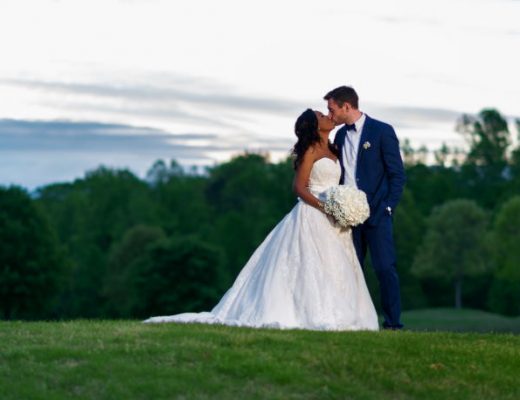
column 324, row 174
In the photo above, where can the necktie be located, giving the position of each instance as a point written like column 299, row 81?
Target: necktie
column 351, row 127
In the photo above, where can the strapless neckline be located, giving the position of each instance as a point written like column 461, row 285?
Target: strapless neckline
column 323, row 175
column 328, row 158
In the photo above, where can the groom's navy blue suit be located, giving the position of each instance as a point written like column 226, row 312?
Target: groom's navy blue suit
column 380, row 174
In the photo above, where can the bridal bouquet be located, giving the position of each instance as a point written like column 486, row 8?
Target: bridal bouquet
column 348, row 205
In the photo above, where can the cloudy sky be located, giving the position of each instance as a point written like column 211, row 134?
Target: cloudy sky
column 124, row 83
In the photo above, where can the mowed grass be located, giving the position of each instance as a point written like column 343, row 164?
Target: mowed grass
column 464, row 320
column 131, row 360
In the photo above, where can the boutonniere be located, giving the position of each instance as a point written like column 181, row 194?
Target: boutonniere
column 366, row 145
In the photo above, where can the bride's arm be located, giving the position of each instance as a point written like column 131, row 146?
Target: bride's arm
column 301, row 180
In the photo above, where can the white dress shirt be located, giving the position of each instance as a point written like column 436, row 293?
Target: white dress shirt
column 350, row 151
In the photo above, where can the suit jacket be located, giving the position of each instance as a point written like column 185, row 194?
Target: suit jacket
column 379, row 170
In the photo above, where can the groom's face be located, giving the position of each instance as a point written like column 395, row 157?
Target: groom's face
column 339, row 115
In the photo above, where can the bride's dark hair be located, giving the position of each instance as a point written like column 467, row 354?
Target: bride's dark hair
column 306, row 130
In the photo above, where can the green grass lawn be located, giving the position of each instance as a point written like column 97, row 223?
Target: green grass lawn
column 131, row 360
column 465, row 320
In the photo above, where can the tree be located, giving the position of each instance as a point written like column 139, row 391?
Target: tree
column 442, row 155
column 454, row 246
column 120, row 281
column 90, row 216
column 179, row 274
column 504, row 296
column 408, row 233
column 159, row 173
column 432, row 185
column 422, row 154
column 248, row 196
column 408, row 152
column 180, row 200
column 486, row 172
column 515, row 156
column 488, row 137
column 31, row 263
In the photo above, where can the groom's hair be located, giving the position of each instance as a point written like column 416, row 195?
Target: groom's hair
column 342, row 95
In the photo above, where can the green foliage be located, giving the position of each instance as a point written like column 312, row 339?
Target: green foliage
column 177, row 275
column 505, row 291
column 507, row 239
column 249, row 196
column 433, row 185
column 408, row 233
column 488, row 135
column 504, row 296
column 120, row 285
column 515, row 159
column 454, row 246
column 160, row 173
column 31, row 263
column 181, row 203
column 90, row 215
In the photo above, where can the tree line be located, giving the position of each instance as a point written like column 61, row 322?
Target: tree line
column 111, row 245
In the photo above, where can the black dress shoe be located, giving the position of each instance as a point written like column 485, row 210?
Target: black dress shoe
column 392, row 327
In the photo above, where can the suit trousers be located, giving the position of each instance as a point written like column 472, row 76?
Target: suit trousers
column 380, row 242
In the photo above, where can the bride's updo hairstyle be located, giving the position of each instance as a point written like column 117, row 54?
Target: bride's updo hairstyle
column 306, row 130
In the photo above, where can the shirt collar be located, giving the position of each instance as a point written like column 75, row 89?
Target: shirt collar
column 360, row 122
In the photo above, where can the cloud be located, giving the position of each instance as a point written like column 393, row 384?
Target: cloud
column 33, row 153
column 413, row 116
column 16, row 135
column 200, row 94
column 399, row 20
column 183, row 102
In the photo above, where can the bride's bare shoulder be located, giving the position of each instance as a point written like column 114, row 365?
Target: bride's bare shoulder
column 311, row 153
column 309, row 157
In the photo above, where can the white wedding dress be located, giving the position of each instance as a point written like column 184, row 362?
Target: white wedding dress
column 305, row 275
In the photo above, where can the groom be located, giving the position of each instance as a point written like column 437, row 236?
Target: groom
column 371, row 161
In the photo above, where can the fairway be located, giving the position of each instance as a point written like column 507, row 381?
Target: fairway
column 464, row 320
column 131, row 360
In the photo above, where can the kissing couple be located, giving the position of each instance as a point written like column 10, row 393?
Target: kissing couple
column 307, row 273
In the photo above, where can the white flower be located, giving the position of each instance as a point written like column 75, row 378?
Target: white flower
column 348, row 205
column 366, row 145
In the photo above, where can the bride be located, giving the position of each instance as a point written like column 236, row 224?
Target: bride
column 306, row 273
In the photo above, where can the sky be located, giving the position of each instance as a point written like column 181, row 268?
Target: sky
column 85, row 83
